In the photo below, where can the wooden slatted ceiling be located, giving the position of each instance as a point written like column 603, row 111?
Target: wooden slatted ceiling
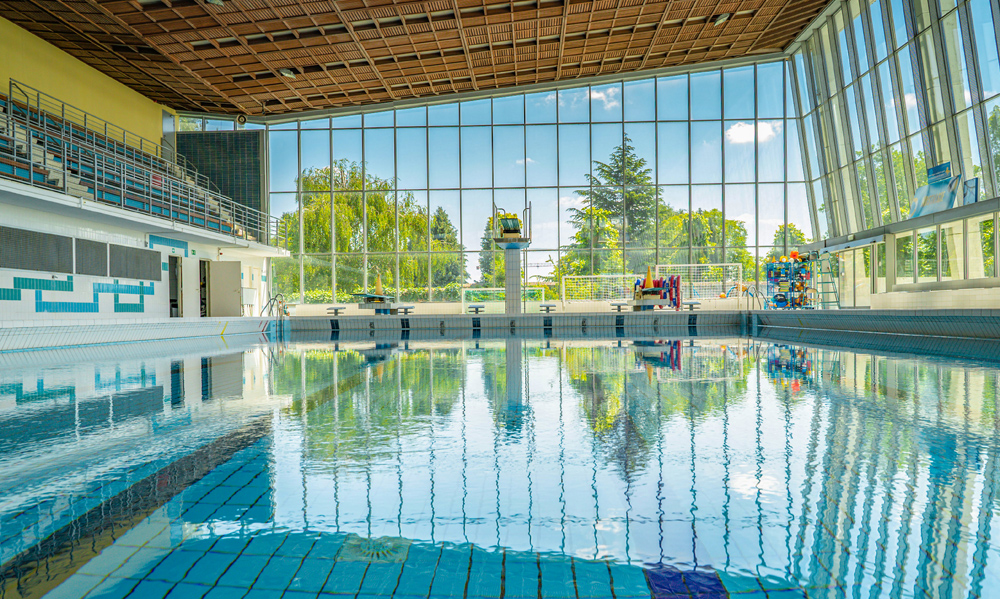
column 191, row 55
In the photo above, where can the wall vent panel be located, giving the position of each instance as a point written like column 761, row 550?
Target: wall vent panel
column 135, row 263
column 31, row 250
column 91, row 258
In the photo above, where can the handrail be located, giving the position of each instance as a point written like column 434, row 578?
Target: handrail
column 44, row 151
column 44, row 103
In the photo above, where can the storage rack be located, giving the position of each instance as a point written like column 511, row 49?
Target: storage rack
column 789, row 286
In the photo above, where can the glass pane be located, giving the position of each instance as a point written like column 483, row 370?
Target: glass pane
column 379, row 119
column 822, row 219
column 380, row 163
column 412, row 209
column 909, row 102
column 640, row 165
column 347, row 218
column 285, row 207
column 904, row 258
column 986, row 46
column 993, row 134
column 888, row 102
column 706, row 152
column 283, row 151
column 442, row 114
column 800, row 229
column 349, row 275
column 574, row 154
column 477, row 157
column 952, row 251
column 347, row 122
column 315, row 167
column 981, row 246
column 881, row 188
column 771, row 227
column 899, row 176
column 317, row 279
column 540, row 107
column 674, row 220
column 863, row 277
column 878, row 30
column 795, row 171
column 955, row 57
column 605, row 146
column 739, row 148
column 316, row 220
column 706, row 215
column 738, row 85
column 769, row 91
column 574, row 225
column 411, row 162
column 639, row 227
column 476, row 112
column 770, row 151
column 411, row 117
column 544, row 218
column 448, row 274
column 574, row 105
column 348, row 159
column 861, row 50
column 927, row 267
column 384, row 266
column 508, row 156
column 845, row 281
column 443, row 163
column 931, row 77
column 477, row 210
column 508, row 110
column 741, row 217
column 380, row 217
column 606, row 102
column 874, row 132
column 445, row 221
column 672, row 157
column 672, row 98
column 413, row 281
column 640, row 100
column 541, row 163
column 972, row 164
column 845, row 58
column 706, row 95
column 284, row 278
column 898, row 22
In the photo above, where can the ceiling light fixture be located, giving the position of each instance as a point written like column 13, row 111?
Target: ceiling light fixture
column 287, row 73
column 216, row 2
column 720, row 19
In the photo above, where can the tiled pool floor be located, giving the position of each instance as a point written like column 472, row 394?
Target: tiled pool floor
column 697, row 469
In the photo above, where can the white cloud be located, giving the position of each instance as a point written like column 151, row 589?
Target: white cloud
column 525, row 160
column 743, row 133
column 909, row 101
column 609, row 97
column 573, row 201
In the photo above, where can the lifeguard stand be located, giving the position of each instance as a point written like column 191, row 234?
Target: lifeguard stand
column 512, row 234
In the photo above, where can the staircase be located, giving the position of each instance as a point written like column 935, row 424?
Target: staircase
column 827, row 296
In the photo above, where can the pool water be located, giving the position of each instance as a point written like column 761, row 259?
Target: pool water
column 705, row 467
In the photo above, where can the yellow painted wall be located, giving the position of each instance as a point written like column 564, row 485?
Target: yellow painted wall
column 33, row 61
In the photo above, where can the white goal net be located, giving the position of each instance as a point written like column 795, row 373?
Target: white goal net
column 704, row 281
column 598, row 288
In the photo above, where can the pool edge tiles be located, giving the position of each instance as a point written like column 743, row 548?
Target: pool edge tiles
column 42, row 567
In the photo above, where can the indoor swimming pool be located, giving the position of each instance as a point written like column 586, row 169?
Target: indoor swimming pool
column 704, row 467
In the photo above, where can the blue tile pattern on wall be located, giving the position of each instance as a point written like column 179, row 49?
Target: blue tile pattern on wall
column 41, row 306
column 155, row 240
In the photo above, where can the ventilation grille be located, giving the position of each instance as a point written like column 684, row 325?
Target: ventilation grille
column 91, row 258
column 135, row 263
column 31, row 250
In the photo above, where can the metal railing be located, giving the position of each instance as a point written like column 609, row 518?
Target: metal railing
column 51, row 145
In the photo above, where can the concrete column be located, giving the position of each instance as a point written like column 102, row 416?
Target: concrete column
column 512, row 279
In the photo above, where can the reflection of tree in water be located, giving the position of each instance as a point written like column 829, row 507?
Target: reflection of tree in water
column 624, row 407
column 360, row 415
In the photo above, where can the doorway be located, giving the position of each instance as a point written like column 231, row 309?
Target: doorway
column 203, row 286
column 174, row 277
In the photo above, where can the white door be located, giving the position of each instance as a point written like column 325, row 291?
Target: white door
column 225, row 297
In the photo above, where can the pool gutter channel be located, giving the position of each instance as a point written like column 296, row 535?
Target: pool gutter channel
column 121, row 512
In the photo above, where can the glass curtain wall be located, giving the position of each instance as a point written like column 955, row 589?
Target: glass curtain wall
column 889, row 88
column 701, row 167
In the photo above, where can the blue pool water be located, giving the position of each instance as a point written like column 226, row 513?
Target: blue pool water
column 708, row 468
